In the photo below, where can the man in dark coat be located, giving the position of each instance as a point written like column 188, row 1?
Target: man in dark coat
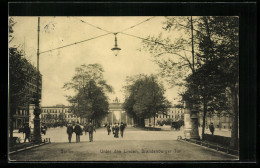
column 116, row 130
column 113, row 128
column 211, row 128
column 91, row 128
column 27, row 132
column 78, row 131
column 108, row 128
column 122, row 128
column 86, row 128
column 69, row 131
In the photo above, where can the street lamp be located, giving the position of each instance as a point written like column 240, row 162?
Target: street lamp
column 116, row 49
column 37, row 111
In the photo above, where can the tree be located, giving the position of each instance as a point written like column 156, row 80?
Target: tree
column 215, row 43
column 146, row 99
column 19, row 73
column 62, row 118
column 11, row 24
column 84, row 74
column 203, row 87
column 90, row 100
column 219, row 46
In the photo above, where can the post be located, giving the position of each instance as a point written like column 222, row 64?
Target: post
column 194, row 134
column 192, row 45
column 126, row 118
column 120, row 118
column 187, row 122
column 37, row 111
column 191, row 130
column 112, row 117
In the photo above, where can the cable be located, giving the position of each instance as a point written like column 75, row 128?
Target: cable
column 93, row 25
column 136, row 24
column 156, row 42
column 115, row 32
column 75, row 43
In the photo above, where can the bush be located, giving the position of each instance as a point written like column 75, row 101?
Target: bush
column 224, row 141
column 159, row 123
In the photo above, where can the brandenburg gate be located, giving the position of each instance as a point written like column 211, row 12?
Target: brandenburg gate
column 117, row 114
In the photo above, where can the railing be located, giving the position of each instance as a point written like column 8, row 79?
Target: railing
column 217, row 147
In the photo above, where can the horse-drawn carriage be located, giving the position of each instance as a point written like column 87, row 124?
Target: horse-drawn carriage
column 177, row 124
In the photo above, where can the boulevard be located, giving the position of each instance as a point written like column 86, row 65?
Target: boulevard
column 136, row 145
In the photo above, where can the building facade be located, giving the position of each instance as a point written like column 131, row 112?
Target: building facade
column 173, row 114
column 21, row 114
column 58, row 113
column 220, row 121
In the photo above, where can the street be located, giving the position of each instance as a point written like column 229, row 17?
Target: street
column 59, row 134
column 136, row 145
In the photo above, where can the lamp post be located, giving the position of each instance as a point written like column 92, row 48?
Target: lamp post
column 116, row 49
column 37, row 111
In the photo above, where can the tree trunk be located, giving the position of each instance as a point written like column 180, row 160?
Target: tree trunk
column 11, row 128
column 204, row 118
column 234, row 131
column 142, row 122
column 154, row 120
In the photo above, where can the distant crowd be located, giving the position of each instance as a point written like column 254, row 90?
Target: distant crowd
column 89, row 128
column 115, row 128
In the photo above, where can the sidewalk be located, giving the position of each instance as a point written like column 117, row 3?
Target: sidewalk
column 144, row 150
column 222, row 132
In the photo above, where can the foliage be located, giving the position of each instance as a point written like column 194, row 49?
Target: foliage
column 10, row 28
column 90, row 100
column 215, row 71
column 86, row 73
column 145, row 98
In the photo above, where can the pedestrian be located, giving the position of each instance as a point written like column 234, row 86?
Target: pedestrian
column 86, row 128
column 211, row 128
column 116, row 130
column 91, row 128
column 108, row 128
column 27, row 132
column 122, row 128
column 69, row 131
column 78, row 131
column 113, row 128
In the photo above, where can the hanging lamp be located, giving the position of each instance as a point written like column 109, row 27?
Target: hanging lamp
column 116, row 49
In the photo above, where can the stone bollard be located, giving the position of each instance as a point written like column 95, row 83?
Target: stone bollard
column 194, row 134
column 191, row 130
column 187, row 123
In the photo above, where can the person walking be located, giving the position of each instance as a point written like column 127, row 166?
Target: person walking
column 211, row 128
column 113, row 128
column 91, row 128
column 116, row 130
column 78, row 131
column 108, row 128
column 122, row 128
column 27, row 132
column 86, row 128
column 69, row 131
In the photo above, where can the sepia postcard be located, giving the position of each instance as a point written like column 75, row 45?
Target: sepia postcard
column 123, row 88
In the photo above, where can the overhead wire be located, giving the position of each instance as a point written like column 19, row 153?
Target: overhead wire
column 155, row 42
column 74, row 43
column 108, row 32
column 94, row 25
column 136, row 24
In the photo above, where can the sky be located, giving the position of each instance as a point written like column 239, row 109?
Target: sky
column 58, row 66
